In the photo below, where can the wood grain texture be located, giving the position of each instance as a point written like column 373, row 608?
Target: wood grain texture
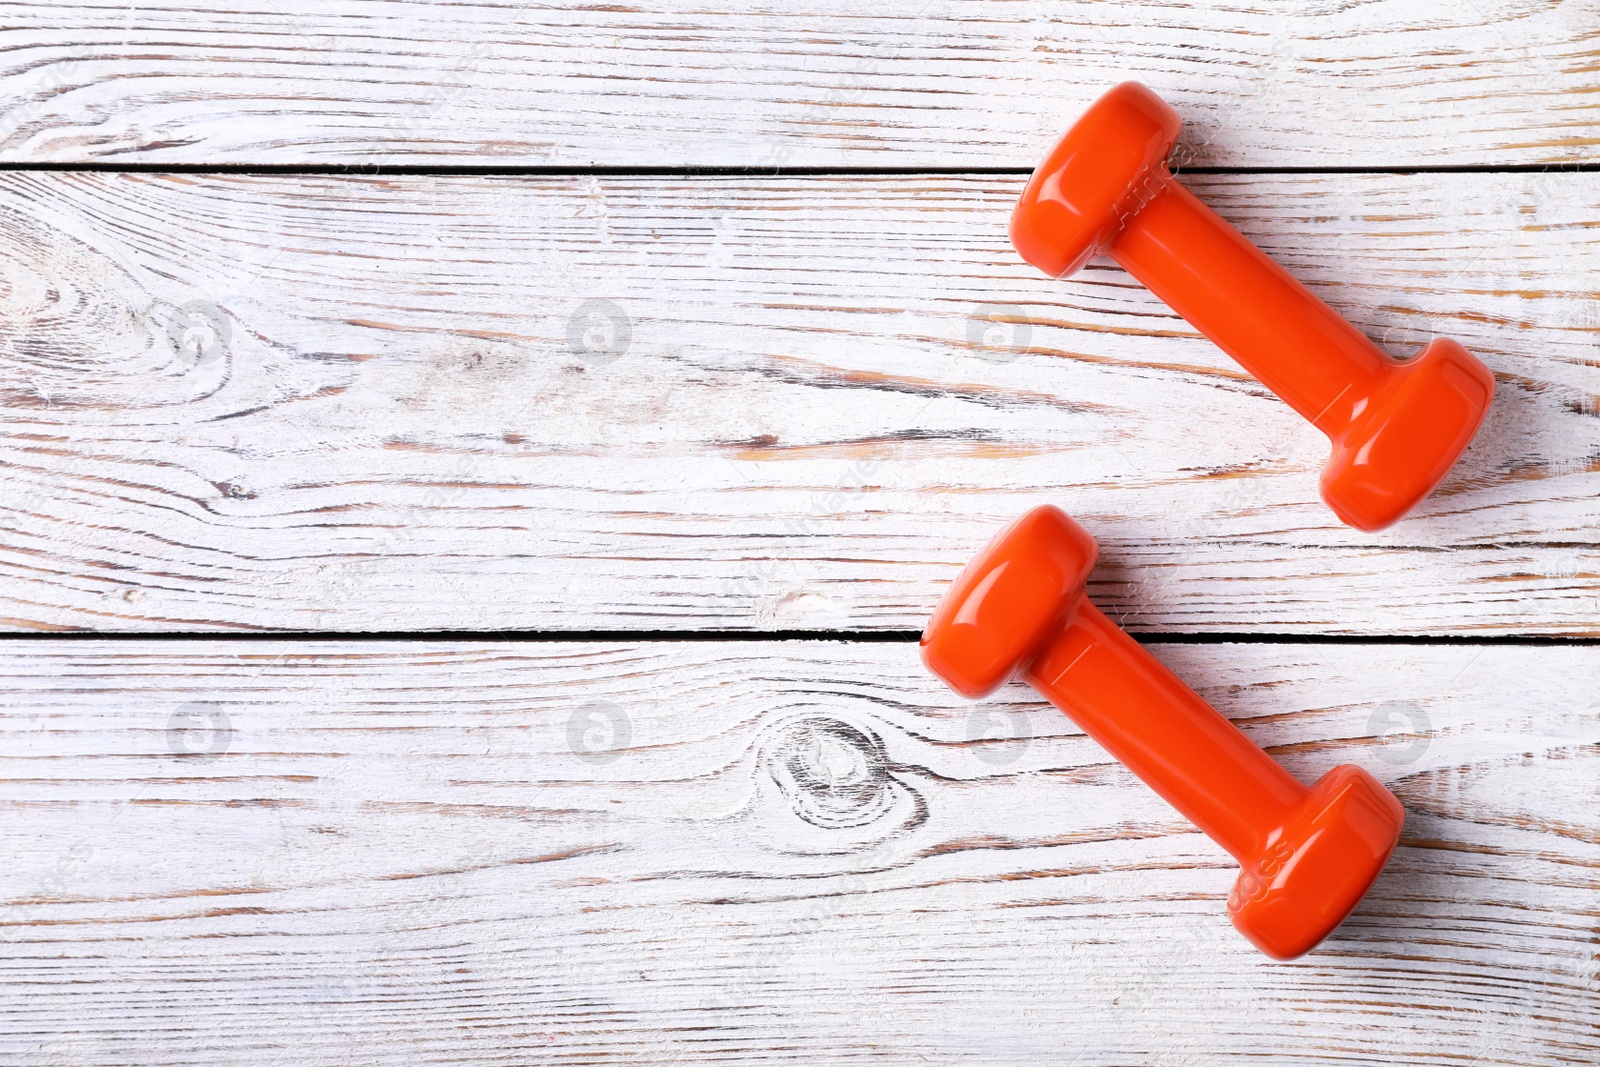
column 846, row 82
column 314, row 403
column 412, row 853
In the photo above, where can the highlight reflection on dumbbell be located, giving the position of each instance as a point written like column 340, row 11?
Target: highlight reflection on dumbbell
column 1397, row 427
column 1308, row 855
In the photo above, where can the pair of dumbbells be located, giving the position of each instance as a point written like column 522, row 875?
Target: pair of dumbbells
column 1307, row 856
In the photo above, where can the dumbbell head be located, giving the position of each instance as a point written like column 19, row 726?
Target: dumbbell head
column 1400, row 448
column 1096, row 176
column 1303, row 884
column 1009, row 602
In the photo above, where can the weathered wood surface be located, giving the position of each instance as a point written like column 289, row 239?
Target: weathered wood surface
column 413, row 853
column 399, row 404
column 847, row 82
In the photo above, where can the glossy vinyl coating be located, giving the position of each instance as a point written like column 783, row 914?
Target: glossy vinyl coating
column 1011, row 599
column 1397, row 427
column 1307, row 855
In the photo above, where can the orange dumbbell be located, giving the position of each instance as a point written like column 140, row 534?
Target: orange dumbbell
column 1397, row 427
column 1308, row 855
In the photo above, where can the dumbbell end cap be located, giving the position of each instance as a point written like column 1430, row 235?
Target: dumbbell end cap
column 1320, row 867
column 1006, row 604
column 1396, row 452
column 1094, row 179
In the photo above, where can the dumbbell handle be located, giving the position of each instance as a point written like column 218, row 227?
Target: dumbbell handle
column 1161, row 730
column 1273, row 326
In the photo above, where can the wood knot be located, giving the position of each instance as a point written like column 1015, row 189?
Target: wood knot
column 824, row 786
column 832, row 774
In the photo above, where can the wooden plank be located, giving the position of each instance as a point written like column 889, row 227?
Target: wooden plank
column 842, row 83
column 343, row 404
column 414, row 853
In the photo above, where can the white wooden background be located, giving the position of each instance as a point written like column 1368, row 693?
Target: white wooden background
column 291, row 304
